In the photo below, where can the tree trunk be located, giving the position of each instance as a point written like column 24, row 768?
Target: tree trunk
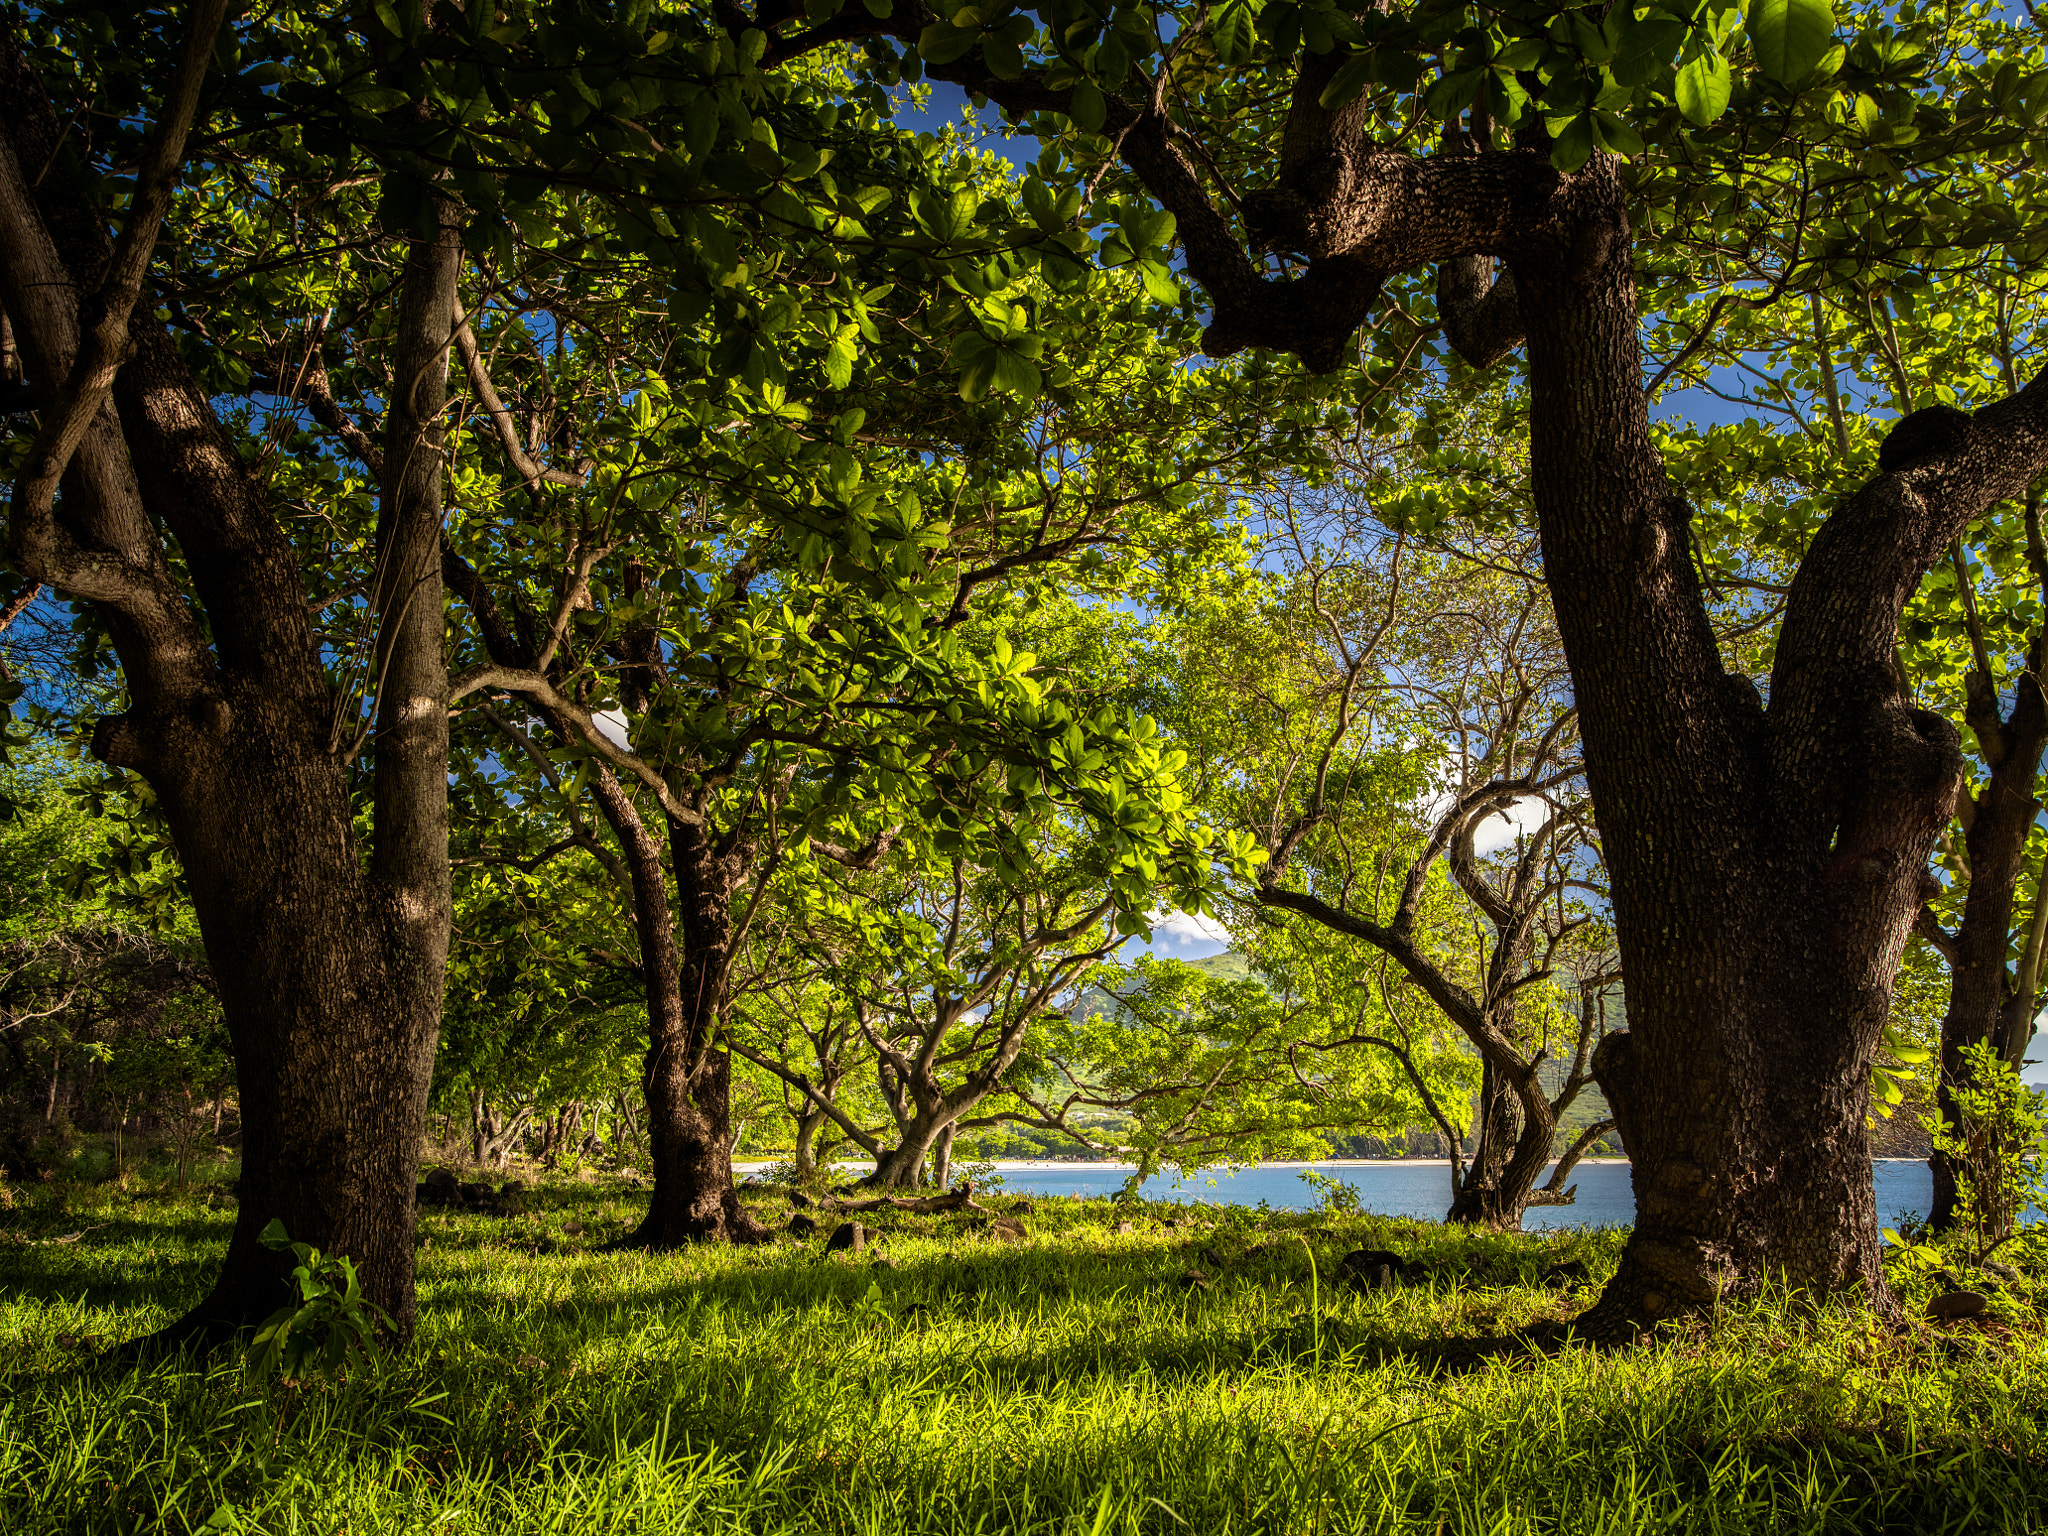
column 900, row 1165
column 807, row 1123
column 1764, row 875
column 1985, row 999
column 1516, row 1131
column 942, row 1159
column 329, row 974
column 1478, row 1198
column 686, row 1081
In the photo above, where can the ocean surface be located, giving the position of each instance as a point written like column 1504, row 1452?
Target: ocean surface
column 1417, row 1189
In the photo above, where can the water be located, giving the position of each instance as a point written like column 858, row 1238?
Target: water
column 1418, row 1189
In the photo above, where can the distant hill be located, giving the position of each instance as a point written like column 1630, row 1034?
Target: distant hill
column 1227, row 966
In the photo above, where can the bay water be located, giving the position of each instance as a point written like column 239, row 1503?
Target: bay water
column 1414, row 1189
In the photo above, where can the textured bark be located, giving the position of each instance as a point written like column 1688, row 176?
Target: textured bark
column 329, row 972
column 687, row 1077
column 685, row 1081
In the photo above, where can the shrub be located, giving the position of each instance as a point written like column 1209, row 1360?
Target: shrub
column 1998, row 1146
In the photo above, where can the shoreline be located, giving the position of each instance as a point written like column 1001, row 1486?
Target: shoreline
column 1217, row 1170
column 1032, row 1165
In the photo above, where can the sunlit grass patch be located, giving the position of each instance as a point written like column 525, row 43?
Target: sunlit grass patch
column 1077, row 1382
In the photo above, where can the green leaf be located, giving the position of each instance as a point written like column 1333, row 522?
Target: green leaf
column 979, row 373
column 1352, row 77
column 1233, row 29
column 1522, row 53
column 1159, row 282
column 942, row 42
column 1086, row 106
column 1789, row 37
column 1704, row 84
column 1005, row 60
column 1616, row 135
column 1646, row 48
column 1572, row 146
column 1111, row 63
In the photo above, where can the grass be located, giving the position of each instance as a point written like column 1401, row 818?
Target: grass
column 1069, row 1384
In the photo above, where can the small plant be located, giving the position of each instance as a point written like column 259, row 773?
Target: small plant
column 330, row 1321
column 1998, row 1147
column 984, row 1175
column 1339, row 1198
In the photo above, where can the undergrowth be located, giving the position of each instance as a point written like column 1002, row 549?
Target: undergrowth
column 1074, row 1383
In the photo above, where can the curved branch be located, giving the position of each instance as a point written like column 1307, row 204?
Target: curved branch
column 544, row 693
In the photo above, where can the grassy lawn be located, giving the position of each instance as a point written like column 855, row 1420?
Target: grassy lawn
column 1070, row 1383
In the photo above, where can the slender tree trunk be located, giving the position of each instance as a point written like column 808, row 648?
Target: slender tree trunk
column 807, row 1123
column 1985, row 998
column 942, row 1159
column 686, row 1080
column 1517, row 1130
column 1478, row 1199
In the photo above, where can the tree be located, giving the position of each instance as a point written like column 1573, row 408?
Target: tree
column 976, row 955
column 1179, row 1067
column 1970, row 635
column 773, row 586
column 1379, row 713
column 1766, row 863
column 230, row 715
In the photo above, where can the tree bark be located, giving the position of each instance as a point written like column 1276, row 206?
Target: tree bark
column 1479, row 1198
column 329, row 972
column 686, row 1078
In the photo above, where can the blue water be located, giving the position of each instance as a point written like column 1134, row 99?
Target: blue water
column 1605, row 1198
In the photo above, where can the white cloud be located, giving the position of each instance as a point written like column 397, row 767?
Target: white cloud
column 1184, row 929
column 1496, row 832
column 611, row 725
column 1521, row 819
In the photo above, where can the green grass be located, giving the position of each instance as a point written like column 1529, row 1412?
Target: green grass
column 1065, row 1385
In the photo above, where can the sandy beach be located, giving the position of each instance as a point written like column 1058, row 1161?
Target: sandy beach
column 1027, row 1165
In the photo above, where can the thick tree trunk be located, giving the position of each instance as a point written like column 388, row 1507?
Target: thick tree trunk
column 899, row 1167
column 1763, row 881
column 329, row 974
